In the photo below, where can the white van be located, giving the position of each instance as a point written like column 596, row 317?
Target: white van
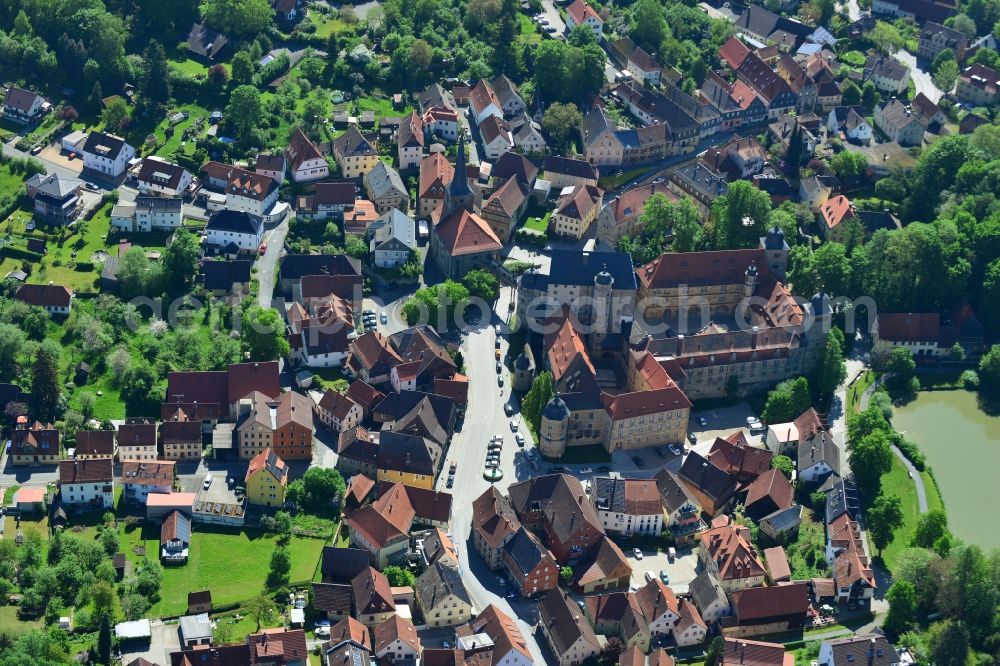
column 208, row 481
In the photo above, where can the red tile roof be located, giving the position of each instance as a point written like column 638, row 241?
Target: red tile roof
column 734, row 52
column 909, row 326
column 714, row 267
column 465, row 232
column 836, row 210
column 99, row 470
column 642, row 403
column 580, row 11
column 45, row 295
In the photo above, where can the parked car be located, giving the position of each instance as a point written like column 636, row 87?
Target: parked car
column 508, row 409
column 664, row 577
column 513, row 425
column 586, row 470
column 499, row 367
column 702, row 421
column 519, row 438
column 671, row 553
column 692, row 438
column 500, row 380
column 451, row 481
column 660, row 453
column 674, row 450
column 384, row 318
column 637, row 553
column 36, row 150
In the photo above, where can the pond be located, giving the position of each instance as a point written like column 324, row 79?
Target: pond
column 962, row 445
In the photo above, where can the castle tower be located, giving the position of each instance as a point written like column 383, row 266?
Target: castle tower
column 821, row 309
column 462, row 195
column 524, row 371
column 750, row 284
column 603, row 319
column 776, row 251
column 554, row 428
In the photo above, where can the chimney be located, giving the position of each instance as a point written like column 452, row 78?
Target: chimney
column 680, row 345
column 753, row 337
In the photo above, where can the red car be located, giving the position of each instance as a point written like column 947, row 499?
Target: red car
column 262, row 249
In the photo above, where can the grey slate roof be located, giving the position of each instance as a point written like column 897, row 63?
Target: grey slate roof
column 438, row 583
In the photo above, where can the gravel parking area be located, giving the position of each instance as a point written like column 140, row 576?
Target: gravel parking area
column 681, row 571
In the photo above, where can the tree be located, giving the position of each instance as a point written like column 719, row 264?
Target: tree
column 104, row 641
column 45, row 385
column 244, row 110
column 239, row 18
column 685, row 226
column 848, row 164
column 243, row 68
column 741, row 215
column 263, row 334
column 502, row 36
column 322, row 490
column 566, row 575
column 869, row 97
column 870, row 458
column 482, row 284
column 831, row 370
column 866, row 422
column 536, row 398
column 156, row 81
column 945, row 70
column 851, row 94
column 886, row 38
column 931, row 527
column 561, row 122
column 399, row 577
column 438, row 301
column 180, row 259
column 794, row 153
column 787, row 401
column 989, row 368
column 115, row 114
column 649, row 25
column 885, row 516
column 218, row 75
column 902, row 370
column 902, row 598
column 783, row 463
column 716, row 651
column 280, row 567
column 964, row 23
column 949, row 643
column 419, row 58
column 261, row 609
column 11, row 343
column 137, row 275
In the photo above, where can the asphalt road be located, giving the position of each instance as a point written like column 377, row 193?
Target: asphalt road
column 922, row 80
column 267, row 265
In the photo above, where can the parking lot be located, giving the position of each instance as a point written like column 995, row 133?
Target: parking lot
column 721, row 422
column 681, row 571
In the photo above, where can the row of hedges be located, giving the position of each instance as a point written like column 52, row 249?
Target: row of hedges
column 44, row 139
column 12, row 252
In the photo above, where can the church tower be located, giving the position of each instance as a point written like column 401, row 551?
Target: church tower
column 461, row 194
column 776, row 250
column 750, row 284
column 603, row 317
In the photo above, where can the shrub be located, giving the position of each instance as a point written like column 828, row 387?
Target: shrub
column 969, row 380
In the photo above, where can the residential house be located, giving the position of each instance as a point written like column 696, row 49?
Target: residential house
column 199, row 602
column 304, row 159
column 148, row 213
column 870, row 649
column 175, row 540
column 205, row 44
column 55, row 198
column 556, row 506
column 396, row 641
column 139, row 479
column 410, row 141
column 277, row 646
column 354, row 153
column 763, row 81
column 509, row 645
column 635, row 657
column 509, row 96
column 890, row 77
column 727, row 553
column 54, row 299
column 691, row 628
column 529, row 564
column 568, row 634
column 394, row 239
column 603, row 144
column 406, row 459
column 504, row 208
column 700, row 182
column 627, row 506
column 513, row 166
column 35, row 444
column 916, row 11
column 249, row 192
column 136, row 441
column 272, row 165
column 107, row 154
column 267, row 479
column 899, row 123
column 851, row 121
column 765, row 26
column 227, row 277
column 386, row 189
column 934, row 117
column 438, row 547
column 241, row 230
column 433, row 199
column 94, row 444
column 214, row 394
column 284, row 424
column 935, row 38
column 463, row 242
column 707, row 594
column 622, row 215
column 659, row 607
column 372, row 358
column 576, row 211
column 617, row 614
column 769, row 492
column 767, row 610
column 978, row 86
column 88, row 484
column 382, row 528
column 442, row 122
column 604, row 568
column 853, row 577
column 22, row 106
column 839, row 222
column 496, row 136
column 581, row 13
column 494, row 524
column 711, row 487
column 681, row 511
column 484, row 103
column 157, row 176
column 327, row 201
column 745, row 652
column 814, row 192
column 563, row 172
column 442, row 596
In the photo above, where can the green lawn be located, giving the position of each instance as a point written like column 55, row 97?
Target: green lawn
column 10, row 182
column 9, row 621
column 326, row 24
column 857, row 389
column 188, row 67
column 233, row 564
column 897, row 482
column 382, row 107
column 71, row 263
column 619, row 179
column 529, row 30
column 167, row 148
column 538, row 224
column 8, row 494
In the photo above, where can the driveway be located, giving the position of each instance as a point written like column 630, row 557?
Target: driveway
column 267, row 265
column 922, row 80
